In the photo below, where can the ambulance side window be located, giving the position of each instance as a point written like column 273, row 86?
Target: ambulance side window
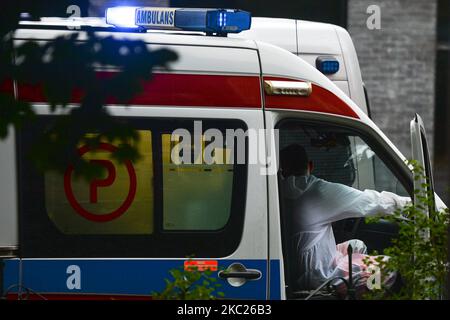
column 119, row 203
column 340, row 155
column 152, row 207
column 195, row 196
column 343, row 156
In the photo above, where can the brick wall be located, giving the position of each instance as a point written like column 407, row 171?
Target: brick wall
column 397, row 63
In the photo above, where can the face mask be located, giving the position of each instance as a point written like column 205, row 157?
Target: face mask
column 294, row 186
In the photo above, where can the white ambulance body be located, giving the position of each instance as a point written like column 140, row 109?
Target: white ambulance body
column 311, row 40
column 229, row 216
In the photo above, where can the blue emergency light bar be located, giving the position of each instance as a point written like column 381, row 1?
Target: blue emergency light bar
column 210, row 21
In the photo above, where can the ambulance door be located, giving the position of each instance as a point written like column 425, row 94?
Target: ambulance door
column 420, row 153
column 83, row 239
column 342, row 151
column 120, row 236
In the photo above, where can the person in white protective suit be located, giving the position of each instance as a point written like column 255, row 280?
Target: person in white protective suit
column 313, row 204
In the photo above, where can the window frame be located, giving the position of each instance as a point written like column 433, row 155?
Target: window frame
column 49, row 242
column 369, row 139
column 369, row 136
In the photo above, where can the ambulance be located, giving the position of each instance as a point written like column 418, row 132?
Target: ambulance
column 319, row 44
column 118, row 238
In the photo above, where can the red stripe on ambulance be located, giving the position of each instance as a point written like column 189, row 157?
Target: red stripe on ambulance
column 231, row 91
column 320, row 100
column 179, row 90
column 77, row 297
column 7, row 86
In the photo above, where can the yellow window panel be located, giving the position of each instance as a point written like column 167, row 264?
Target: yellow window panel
column 121, row 202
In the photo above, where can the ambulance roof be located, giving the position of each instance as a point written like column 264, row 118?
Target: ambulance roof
column 316, row 37
column 49, row 28
column 296, row 36
column 233, row 55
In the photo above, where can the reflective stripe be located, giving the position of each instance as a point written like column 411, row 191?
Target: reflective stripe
column 119, row 277
column 179, row 90
column 7, row 86
column 320, row 100
column 76, row 296
column 229, row 91
column 123, row 279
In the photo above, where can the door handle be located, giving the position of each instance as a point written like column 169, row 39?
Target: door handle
column 248, row 275
column 237, row 274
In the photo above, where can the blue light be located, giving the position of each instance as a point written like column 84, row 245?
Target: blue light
column 210, row 21
column 123, row 17
column 222, row 19
column 327, row 65
column 218, row 21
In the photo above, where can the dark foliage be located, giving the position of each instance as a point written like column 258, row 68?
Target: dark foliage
column 65, row 67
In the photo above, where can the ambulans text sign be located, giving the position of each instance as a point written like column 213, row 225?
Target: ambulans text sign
column 155, row 17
